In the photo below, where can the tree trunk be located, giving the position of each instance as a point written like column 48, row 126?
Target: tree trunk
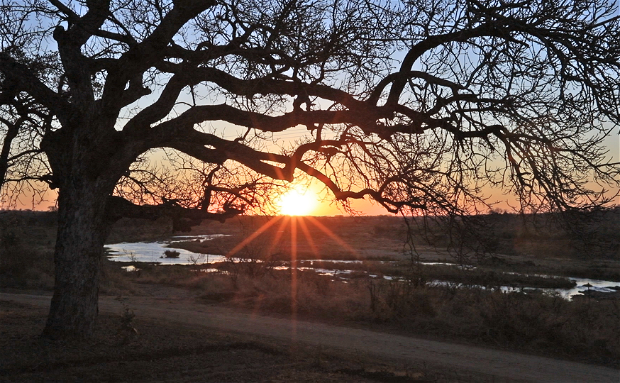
column 82, row 229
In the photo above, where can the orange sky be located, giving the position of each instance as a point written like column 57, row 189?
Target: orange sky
column 322, row 206
column 322, row 202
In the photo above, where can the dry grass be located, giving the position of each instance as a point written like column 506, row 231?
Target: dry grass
column 26, row 255
column 552, row 325
column 26, row 267
column 585, row 329
column 173, row 352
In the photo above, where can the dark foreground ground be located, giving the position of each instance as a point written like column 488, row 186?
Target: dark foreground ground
column 178, row 340
column 169, row 352
column 584, row 330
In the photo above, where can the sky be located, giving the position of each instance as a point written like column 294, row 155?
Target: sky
column 316, row 195
column 319, row 199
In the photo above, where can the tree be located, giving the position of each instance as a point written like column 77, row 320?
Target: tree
column 417, row 105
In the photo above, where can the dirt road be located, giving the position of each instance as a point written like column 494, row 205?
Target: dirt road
column 501, row 365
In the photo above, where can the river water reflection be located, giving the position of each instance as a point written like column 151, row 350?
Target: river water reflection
column 153, row 252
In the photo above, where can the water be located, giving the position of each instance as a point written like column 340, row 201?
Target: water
column 464, row 267
column 596, row 285
column 197, row 238
column 154, row 252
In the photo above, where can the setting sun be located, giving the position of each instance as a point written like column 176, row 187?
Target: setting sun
column 296, row 202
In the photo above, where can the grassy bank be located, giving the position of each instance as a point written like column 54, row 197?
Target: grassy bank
column 584, row 329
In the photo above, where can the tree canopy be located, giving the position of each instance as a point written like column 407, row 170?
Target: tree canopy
column 414, row 104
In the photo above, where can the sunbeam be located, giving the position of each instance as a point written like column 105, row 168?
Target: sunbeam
column 304, row 228
column 277, row 237
column 294, row 277
column 249, row 239
column 336, row 238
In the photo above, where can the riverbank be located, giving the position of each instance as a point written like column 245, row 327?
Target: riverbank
column 184, row 343
column 470, row 309
column 163, row 350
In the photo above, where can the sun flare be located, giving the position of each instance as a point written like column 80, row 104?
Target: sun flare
column 296, row 202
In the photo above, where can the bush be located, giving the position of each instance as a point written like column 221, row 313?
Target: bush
column 172, row 254
column 23, row 266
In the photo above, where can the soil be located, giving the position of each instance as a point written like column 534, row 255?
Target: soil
column 178, row 340
column 161, row 351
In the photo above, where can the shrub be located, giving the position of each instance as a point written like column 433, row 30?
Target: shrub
column 172, row 254
column 28, row 267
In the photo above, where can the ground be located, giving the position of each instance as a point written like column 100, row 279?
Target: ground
column 236, row 325
column 177, row 339
column 170, row 352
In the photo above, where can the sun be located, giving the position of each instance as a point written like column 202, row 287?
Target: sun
column 297, row 202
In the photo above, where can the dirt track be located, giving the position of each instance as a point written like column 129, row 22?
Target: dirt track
column 501, row 365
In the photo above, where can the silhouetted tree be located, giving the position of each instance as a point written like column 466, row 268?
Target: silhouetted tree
column 417, row 105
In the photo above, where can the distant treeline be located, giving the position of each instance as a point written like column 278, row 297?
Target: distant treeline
column 583, row 234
